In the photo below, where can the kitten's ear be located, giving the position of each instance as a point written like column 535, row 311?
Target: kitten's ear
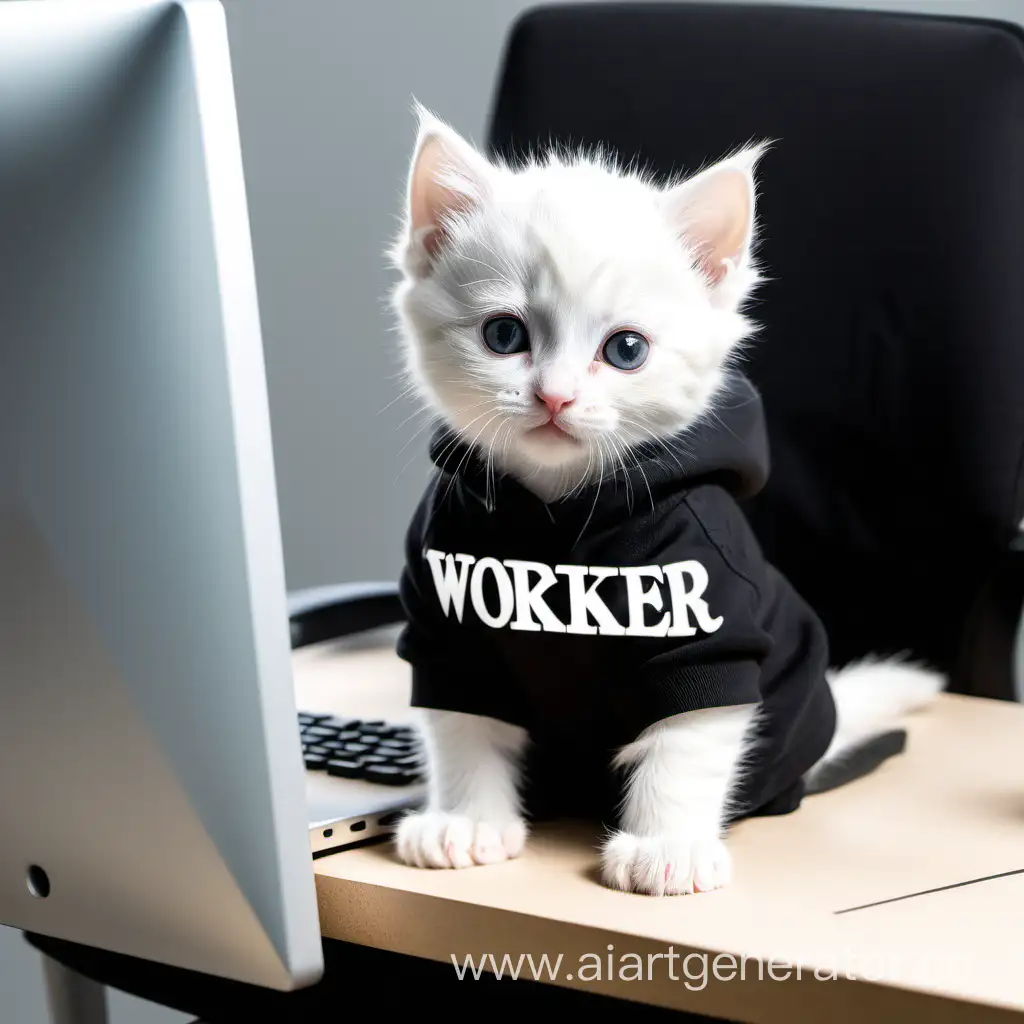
column 448, row 177
column 714, row 214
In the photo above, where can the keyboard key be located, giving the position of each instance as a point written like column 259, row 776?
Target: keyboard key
column 375, row 759
column 315, row 763
column 349, row 734
column 317, row 751
column 393, row 744
column 356, row 748
column 345, row 724
column 346, row 767
column 374, row 726
column 408, row 761
column 320, row 730
column 389, row 775
column 305, row 718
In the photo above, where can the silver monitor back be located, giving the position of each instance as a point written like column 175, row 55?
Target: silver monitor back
column 151, row 778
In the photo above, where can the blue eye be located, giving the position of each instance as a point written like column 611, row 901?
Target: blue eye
column 506, row 335
column 626, row 350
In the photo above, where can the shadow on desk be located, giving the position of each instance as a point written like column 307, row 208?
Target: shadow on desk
column 357, row 979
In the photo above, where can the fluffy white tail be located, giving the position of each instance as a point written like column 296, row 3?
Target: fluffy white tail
column 872, row 695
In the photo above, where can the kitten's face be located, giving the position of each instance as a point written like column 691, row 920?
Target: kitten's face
column 556, row 317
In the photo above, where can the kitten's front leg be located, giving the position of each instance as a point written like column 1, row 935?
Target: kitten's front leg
column 473, row 813
column 681, row 772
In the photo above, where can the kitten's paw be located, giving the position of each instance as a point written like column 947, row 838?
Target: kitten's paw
column 435, row 840
column 664, row 865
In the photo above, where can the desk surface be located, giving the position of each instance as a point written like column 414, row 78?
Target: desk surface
column 949, row 811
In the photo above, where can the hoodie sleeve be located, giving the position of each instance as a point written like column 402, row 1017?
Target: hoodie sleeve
column 449, row 671
column 720, row 664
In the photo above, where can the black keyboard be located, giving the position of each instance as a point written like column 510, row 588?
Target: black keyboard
column 351, row 748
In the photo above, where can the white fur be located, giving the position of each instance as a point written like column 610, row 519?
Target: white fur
column 473, row 813
column 684, row 769
column 681, row 772
column 872, row 694
column 578, row 248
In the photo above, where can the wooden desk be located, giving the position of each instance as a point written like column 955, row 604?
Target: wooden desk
column 950, row 810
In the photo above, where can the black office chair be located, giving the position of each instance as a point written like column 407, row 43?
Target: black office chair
column 891, row 358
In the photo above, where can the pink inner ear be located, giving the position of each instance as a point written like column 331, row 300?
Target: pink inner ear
column 715, row 214
column 438, row 204
column 427, row 196
column 714, row 269
column 433, row 241
column 432, row 197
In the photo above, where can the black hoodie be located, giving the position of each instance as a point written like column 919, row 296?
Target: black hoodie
column 589, row 619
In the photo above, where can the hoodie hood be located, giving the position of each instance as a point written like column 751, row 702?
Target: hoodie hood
column 727, row 447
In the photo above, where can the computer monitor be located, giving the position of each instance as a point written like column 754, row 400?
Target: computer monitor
column 152, row 798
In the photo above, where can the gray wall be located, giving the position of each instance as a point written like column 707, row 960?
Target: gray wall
column 324, row 89
column 324, row 95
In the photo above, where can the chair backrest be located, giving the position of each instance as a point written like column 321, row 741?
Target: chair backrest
column 891, row 358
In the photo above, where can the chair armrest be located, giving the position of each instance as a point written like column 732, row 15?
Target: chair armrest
column 989, row 652
column 334, row 612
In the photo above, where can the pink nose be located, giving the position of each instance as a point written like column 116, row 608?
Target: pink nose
column 555, row 403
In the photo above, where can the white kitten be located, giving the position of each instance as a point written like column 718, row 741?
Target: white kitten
column 583, row 251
